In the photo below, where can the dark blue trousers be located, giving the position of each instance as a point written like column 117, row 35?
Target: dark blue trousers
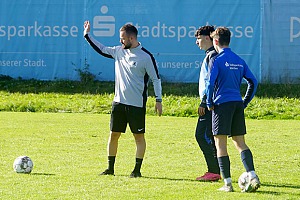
column 206, row 142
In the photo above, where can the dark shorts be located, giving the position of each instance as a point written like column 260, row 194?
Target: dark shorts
column 122, row 114
column 229, row 119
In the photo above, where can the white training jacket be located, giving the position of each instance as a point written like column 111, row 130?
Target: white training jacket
column 133, row 67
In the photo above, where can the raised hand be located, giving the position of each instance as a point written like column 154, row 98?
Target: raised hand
column 87, row 26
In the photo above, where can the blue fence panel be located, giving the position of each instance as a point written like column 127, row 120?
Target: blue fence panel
column 167, row 30
column 44, row 39
column 40, row 39
column 281, row 41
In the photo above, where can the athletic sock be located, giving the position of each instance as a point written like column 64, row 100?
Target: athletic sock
column 227, row 181
column 251, row 175
column 138, row 164
column 224, row 164
column 247, row 160
column 111, row 163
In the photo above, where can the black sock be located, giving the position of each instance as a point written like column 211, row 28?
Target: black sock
column 247, row 160
column 138, row 164
column 111, row 163
column 224, row 164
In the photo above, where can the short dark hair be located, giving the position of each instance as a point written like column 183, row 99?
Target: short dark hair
column 205, row 30
column 223, row 34
column 129, row 29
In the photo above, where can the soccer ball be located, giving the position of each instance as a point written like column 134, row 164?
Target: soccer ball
column 243, row 180
column 23, row 164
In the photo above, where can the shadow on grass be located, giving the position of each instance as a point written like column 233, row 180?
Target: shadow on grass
column 161, row 178
column 260, row 191
column 170, row 179
column 42, row 174
column 281, row 185
column 192, row 180
column 279, row 193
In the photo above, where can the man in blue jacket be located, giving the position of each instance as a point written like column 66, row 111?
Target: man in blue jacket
column 203, row 132
column 224, row 99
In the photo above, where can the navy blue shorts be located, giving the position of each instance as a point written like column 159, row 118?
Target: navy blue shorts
column 122, row 114
column 229, row 119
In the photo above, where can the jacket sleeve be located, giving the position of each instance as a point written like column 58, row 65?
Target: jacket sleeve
column 213, row 74
column 209, row 61
column 152, row 71
column 252, row 86
column 108, row 52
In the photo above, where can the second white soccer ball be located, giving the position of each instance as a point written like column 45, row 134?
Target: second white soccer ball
column 243, row 180
column 23, row 164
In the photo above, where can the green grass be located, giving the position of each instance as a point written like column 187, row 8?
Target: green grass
column 181, row 100
column 69, row 151
column 173, row 105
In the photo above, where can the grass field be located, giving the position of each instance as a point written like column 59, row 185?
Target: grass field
column 69, row 151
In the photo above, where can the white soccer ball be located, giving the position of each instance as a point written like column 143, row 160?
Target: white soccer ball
column 23, row 164
column 243, row 180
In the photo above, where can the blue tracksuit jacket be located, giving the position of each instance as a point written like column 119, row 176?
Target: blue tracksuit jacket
column 227, row 73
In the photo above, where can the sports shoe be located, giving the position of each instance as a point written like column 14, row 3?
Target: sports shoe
column 107, row 172
column 135, row 174
column 253, row 185
column 226, row 188
column 208, row 176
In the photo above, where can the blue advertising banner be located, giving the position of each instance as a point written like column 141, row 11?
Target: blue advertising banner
column 44, row 39
column 167, row 30
column 281, row 42
column 40, row 39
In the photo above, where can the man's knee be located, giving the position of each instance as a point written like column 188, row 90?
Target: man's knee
column 114, row 136
column 139, row 138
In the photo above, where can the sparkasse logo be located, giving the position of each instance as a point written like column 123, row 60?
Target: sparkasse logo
column 104, row 26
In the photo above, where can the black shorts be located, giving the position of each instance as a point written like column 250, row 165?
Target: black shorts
column 122, row 114
column 229, row 119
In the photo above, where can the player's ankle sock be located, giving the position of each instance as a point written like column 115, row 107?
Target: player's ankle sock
column 227, row 181
column 247, row 160
column 252, row 174
column 224, row 164
column 111, row 163
column 138, row 164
